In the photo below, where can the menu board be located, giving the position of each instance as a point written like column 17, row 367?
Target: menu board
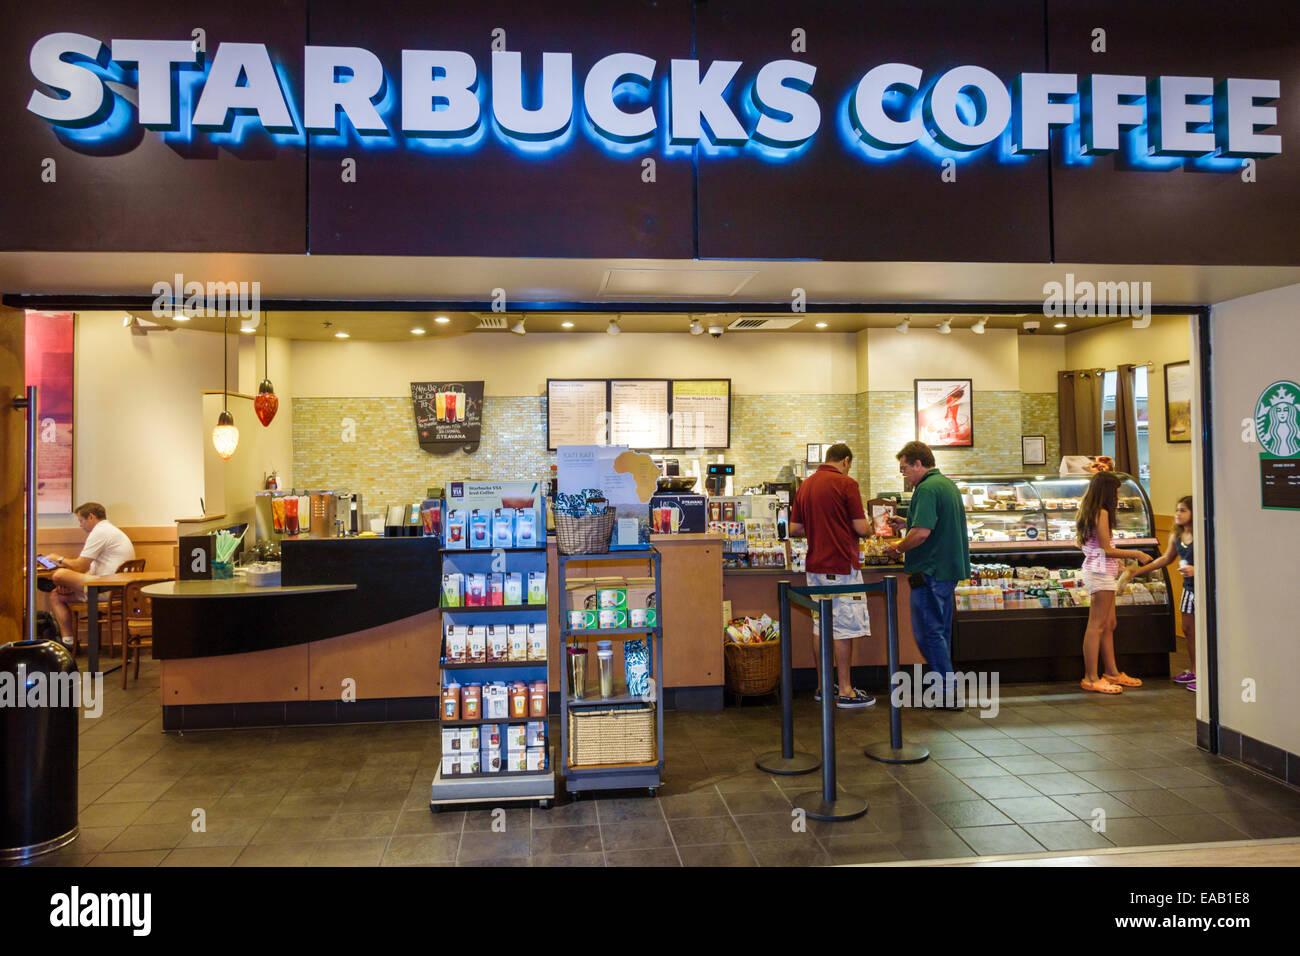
column 1280, row 483
column 639, row 413
column 701, row 414
column 576, row 412
column 448, row 415
column 648, row 413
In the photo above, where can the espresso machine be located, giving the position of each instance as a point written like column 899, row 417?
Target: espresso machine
column 349, row 511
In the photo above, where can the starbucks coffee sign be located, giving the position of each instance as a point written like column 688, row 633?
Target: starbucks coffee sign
column 1277, row 426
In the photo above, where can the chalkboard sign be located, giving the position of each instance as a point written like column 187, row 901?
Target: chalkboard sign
column 448, row 415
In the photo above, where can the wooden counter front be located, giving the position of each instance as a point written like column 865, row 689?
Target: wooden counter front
column 690, row 605
column 754, row 593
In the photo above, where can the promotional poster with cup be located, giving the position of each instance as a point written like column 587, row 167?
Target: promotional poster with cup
column 678, row 514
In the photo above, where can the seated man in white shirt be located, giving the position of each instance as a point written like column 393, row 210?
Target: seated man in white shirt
column 106, row 549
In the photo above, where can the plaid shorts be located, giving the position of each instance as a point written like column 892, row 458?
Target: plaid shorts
column 849, row 613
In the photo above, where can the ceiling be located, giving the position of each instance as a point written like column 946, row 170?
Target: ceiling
column 721, row 286
column 396, row 326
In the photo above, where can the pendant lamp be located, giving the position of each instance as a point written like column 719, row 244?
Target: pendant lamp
column 267, row 402
column 225, row 437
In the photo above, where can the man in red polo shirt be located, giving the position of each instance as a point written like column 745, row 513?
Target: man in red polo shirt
column 828, row 510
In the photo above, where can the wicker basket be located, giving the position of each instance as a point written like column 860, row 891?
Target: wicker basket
column 612, row 735
column 589, row 534
column 753, row 669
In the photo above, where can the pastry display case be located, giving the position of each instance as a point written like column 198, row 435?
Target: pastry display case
column 1041, row 511
column 1024, row 609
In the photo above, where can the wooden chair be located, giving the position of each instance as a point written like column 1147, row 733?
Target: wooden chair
column 106, row 612
column 138, row 622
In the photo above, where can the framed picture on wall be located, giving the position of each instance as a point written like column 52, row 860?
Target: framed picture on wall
column 50, row 339
column 1033, row 450
column 1178, row 402
column 814, row 453
column 943, row 412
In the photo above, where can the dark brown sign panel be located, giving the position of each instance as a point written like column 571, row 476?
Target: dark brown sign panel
column 448, row 415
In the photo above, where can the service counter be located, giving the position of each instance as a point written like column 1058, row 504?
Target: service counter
column 357, row 618
column 753, row 593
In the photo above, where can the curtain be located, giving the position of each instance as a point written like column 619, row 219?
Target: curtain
column 1126, row 436
column 1079, row 408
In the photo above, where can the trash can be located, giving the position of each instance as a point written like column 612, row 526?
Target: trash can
column 38, row 748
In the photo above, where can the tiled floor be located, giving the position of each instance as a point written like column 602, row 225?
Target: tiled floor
column 1034, row 778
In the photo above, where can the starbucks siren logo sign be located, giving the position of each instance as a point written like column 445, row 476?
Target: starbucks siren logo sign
column 1277, row 420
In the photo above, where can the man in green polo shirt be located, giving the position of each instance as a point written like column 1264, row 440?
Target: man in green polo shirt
column 936, row 554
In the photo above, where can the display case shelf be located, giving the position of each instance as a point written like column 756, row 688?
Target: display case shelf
column 612, row 776
column 480, row 721
column 497, row 608
column 483, row 665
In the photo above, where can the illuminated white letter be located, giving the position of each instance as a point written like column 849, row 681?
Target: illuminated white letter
column 1173, row 114
column 1036, row 113
column 555, row 111
column 222, row 94
column 1237, row 128
column 448, row 76
column 85, row 103
column 941, row 107
column 154, row 59
column 694, row 99
column 325, row 93
column 868, row 110
column 782, row 90
column 1103, row 115
column 598, row 96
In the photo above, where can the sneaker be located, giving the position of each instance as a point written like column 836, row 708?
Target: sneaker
column 1191, row 685
column 857, row 701
column 1185, row 677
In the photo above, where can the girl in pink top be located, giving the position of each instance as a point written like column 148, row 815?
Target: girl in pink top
column 1101, row 562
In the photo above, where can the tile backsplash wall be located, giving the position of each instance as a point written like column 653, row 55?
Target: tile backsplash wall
column 384, row 462
column 1000, row 420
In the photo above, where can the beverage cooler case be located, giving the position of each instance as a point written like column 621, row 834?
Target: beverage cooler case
column 1024, row 611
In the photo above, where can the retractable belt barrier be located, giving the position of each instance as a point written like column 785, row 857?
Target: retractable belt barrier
column 828, row 803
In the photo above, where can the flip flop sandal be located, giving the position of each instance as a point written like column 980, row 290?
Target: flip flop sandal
column 1101, row 686
column 1123, row 680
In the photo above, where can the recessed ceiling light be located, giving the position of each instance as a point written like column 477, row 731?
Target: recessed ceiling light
column 821, row 325
column 566, row 325
column 417, row 331
column 442, row 320
column 1061, row 325
column 180, row 316
column 247, row 331
column 341, row 335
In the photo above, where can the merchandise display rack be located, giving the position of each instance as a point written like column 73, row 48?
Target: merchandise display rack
column 519, row 786
column 612, row 776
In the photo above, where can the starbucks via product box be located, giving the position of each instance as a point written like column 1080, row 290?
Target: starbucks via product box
column 517, row 643
column 457, row 530
column 536, row 587
column 457, row 644
column 497, row 644
column 453, row 590
column 537, row 642
column 477, row 653
column 503, row 528
column 514, row 593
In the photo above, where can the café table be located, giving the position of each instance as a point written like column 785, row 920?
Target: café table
column 109, row 582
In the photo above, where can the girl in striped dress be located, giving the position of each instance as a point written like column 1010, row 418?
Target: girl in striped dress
column 1180, row 550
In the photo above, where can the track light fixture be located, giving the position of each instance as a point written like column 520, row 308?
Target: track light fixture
column 978, row 327
column 904, row 325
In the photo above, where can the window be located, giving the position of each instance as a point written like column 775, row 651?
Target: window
column 1108, row 421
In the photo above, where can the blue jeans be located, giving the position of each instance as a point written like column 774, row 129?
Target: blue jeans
column 932, row 624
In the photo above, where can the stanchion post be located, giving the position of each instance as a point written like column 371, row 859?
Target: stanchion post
column 895, row 751
column 828, row 805
column 787, row 762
